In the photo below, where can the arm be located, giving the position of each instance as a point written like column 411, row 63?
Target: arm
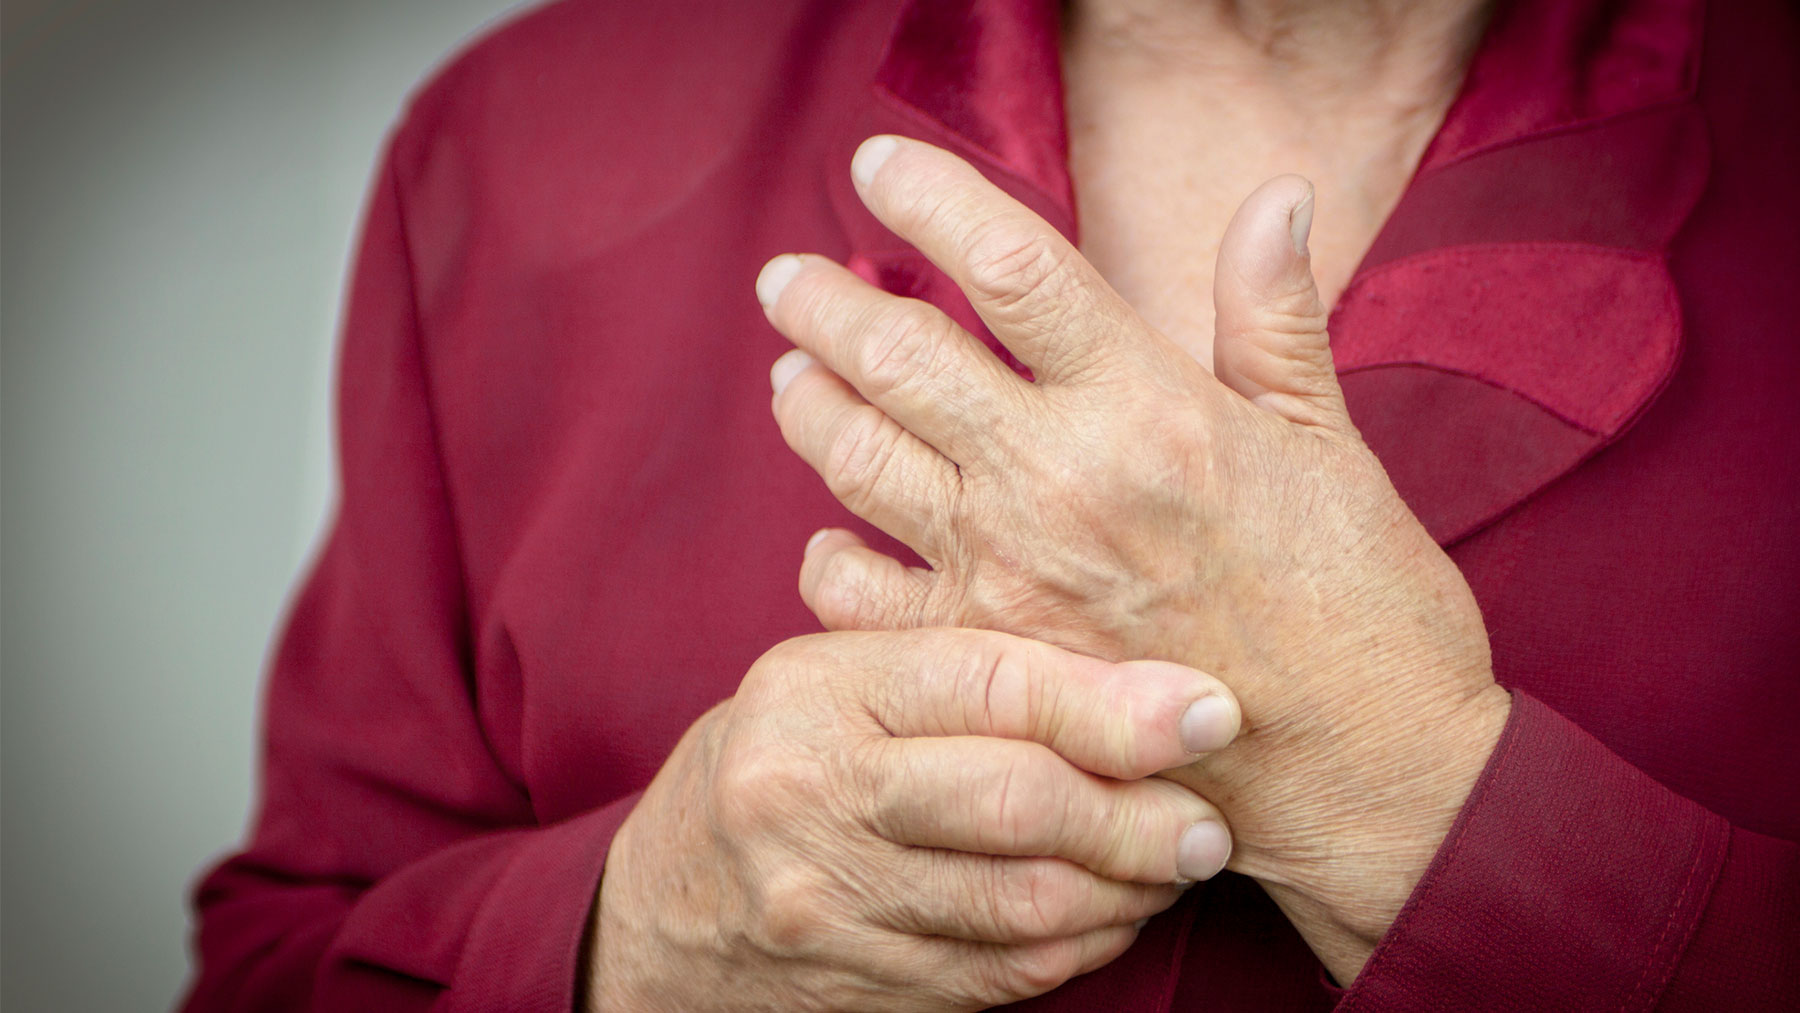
column 398, row 864
column 1130, row 503
column 905, row 821
column 1572, row 880
column 394, row 859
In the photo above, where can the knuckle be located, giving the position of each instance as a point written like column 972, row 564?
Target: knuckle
column 1033, row 970
column 1130, row 748
column 799, row 668
column 1038, row 804
column 1134, row 823
column 997, row 673
column 803, row 656
column 1036, row 899
column 774, row 666
column 1031, row 801
column 792, row 911
column 1005, row 265
column 734, row 785
column 1165, row 813
column 860, row 450
column 890, row 809
column 840, row 600
column 903, row 345
column 1102, row 716
column 1296, row 320
column 758, row 786
column 1298, row 310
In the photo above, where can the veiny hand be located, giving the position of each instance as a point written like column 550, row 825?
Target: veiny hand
column 936, row 819
column 1131, row 503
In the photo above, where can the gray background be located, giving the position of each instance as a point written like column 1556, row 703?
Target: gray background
column 179, row 189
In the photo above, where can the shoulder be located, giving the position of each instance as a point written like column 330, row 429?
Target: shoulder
column 596, row 114
column 612, row 63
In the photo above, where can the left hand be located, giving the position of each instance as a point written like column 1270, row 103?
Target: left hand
column 1130, row 503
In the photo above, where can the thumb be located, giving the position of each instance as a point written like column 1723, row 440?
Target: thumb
column 1269, row 340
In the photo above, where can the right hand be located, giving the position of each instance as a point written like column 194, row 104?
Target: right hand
column 929, row 819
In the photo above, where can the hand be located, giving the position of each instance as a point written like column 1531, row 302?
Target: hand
column 941, row 819
column 1131, row 503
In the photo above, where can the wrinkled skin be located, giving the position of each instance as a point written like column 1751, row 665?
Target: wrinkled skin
column 1132, row 503
column 931, row 819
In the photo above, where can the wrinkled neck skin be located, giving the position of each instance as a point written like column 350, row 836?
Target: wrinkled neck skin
column 1178, row 109
column 1318, row 54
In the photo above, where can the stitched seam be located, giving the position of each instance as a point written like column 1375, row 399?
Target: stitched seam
column 1701, row 853
column 1687, row 884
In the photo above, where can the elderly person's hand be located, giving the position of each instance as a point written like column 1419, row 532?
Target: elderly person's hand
column 934, row 819
column 1131, row 503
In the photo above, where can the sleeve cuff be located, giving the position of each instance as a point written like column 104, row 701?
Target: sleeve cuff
column 524, row 947
column 1570, row 880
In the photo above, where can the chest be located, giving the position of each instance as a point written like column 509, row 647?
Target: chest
column 632, row 523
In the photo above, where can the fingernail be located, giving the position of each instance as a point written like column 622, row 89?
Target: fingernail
column 1207, row 725
column 775, row 276
column 817, row 537
column 1203, row 850
column 1300, row 221
column 790, row 365
column 869, row 157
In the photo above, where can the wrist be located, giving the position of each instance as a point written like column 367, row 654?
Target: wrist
column 608, row 981
column 1340, row 824
column 626, row 949
column 640, row 930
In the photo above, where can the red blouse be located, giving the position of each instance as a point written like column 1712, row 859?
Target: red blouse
column 569, row 524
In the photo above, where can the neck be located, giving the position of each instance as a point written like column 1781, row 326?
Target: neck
column 1402, row 53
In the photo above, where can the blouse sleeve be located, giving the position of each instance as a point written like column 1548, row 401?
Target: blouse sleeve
column 1572, row 880
column 394, row 864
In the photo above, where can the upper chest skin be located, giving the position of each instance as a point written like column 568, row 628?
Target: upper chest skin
column 1163, row 151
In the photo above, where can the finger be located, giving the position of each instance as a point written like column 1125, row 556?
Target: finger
column 1002, row 797
column 979, row 975
column 1038, row 294
column 903, row 355
column 1124, row 720
column 982, row 898
column 1270, row 342
column 957, row 973
column 882, row 473
column 850, row 586
column 1013, row 973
